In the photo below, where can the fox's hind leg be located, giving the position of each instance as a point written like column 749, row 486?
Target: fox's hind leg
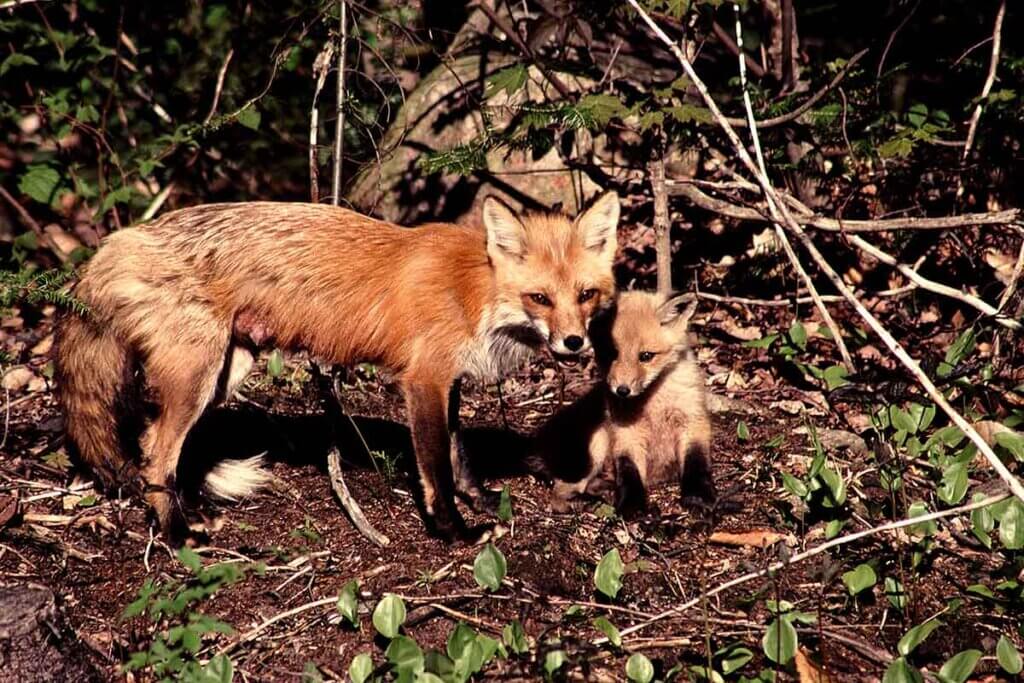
column 467, row 485
column 185, row 378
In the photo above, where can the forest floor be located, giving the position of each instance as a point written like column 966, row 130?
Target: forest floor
column 96, row 552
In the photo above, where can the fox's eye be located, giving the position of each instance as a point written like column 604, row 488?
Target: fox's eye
column 587, row 295
column 646, row 356
column 540, row 299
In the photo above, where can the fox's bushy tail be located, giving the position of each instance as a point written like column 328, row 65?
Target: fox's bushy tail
column 100, row 392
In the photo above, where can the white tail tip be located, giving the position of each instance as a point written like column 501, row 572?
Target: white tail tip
column 235, row 479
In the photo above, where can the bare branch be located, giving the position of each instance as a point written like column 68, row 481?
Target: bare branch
column 686, row 188
column 349, row 503
column 339, row 126
column 780, row 234
column 662, row 225
column 221, row 75
column 997, row 39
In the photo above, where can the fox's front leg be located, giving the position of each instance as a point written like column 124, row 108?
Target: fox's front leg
column 467, row 486
column 695, row 479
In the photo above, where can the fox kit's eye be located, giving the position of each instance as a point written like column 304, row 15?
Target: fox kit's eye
column 587, row 295
column 646, row 356
column 540, row 299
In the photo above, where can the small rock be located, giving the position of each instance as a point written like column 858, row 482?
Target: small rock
column 36, row 384
column 723, row 404
column 17, row 378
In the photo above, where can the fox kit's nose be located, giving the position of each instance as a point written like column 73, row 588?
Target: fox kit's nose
column 573, row 342
column 622, row 390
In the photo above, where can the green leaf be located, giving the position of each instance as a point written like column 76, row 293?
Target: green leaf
column 608, row 574
column 505, row 505
column 389, row 615
column 602, row 108
column 901, row 672
column 961, row 348
column 916, row 636
column 275, row 363
column 742, row 431
column 16, row 59
column 608, row 629
column 553, row 661
column 639, row 669
column 311, row 674
column 348, row 603
column 40, row 183
column 779, row 641
column 510, row 79
column 514, row 637
column 835, row 377
column 1012, row 442
column 794, row 485
column 1011, row 525
column 958, row 667
column 836, row 486
column 461, row 637
column 954, row 484
column 733, row 658
column 902, row 420
column 1008, row 656
column 798, row 335
column 250, row 117
column 924, row 529
column 690, row 113
column 895, row 593
column 860, row 578
column 489, row 568
column 404, row 655
column 219, row 670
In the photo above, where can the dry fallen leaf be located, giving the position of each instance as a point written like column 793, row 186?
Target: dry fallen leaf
column 756, row 538
column 1001, row 263
column 736, row 331
column 807, row 671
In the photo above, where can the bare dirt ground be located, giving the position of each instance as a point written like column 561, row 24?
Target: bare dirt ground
column 96, row 553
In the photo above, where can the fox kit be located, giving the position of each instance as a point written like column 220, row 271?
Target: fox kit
column 654, row 425
column 186, row 300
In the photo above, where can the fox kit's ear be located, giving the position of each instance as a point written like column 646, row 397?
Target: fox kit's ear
column 597, row 225
column 677, row 310
column 506, row 235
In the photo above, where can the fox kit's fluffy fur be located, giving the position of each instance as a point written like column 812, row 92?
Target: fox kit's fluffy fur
column 653, row 424
column 184, row 302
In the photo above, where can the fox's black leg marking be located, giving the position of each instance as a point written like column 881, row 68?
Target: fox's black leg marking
column 467, row 486
column 630, row 492
column 696, row 482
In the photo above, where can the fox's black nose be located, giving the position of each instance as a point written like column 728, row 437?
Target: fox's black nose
column 622, row 390
column 574, row 342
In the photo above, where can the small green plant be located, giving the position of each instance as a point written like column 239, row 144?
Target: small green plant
column 172, row 607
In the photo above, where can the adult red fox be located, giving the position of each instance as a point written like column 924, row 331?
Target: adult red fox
column 648, row 424
column 185, row 300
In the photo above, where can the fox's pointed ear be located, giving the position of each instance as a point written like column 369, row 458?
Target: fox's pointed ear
column 597, row 225
column 677, row 310
column 506, row 235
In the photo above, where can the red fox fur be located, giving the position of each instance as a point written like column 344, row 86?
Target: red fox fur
column 185, row 300
column 648, row 424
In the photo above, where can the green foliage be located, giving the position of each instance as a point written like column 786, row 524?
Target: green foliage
column 608, row 573
column 639, row 668
column 389, row 615
column 505, row 505
column 348, row 603
column 31, row 286
column 170, row 605
column 489, row 568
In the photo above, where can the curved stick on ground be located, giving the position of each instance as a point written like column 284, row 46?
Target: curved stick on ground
column 355, row 513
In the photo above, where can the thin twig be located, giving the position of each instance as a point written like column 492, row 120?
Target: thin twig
column 686, row 189
column 781, row 213
column 892, row 37
column 339, row 126
column 662, row 225
column 221, row 75
column 810, row 102
column 780, row 234
column 997, row 38
column 321, row 67
column 932, row 286
column 817, row 550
